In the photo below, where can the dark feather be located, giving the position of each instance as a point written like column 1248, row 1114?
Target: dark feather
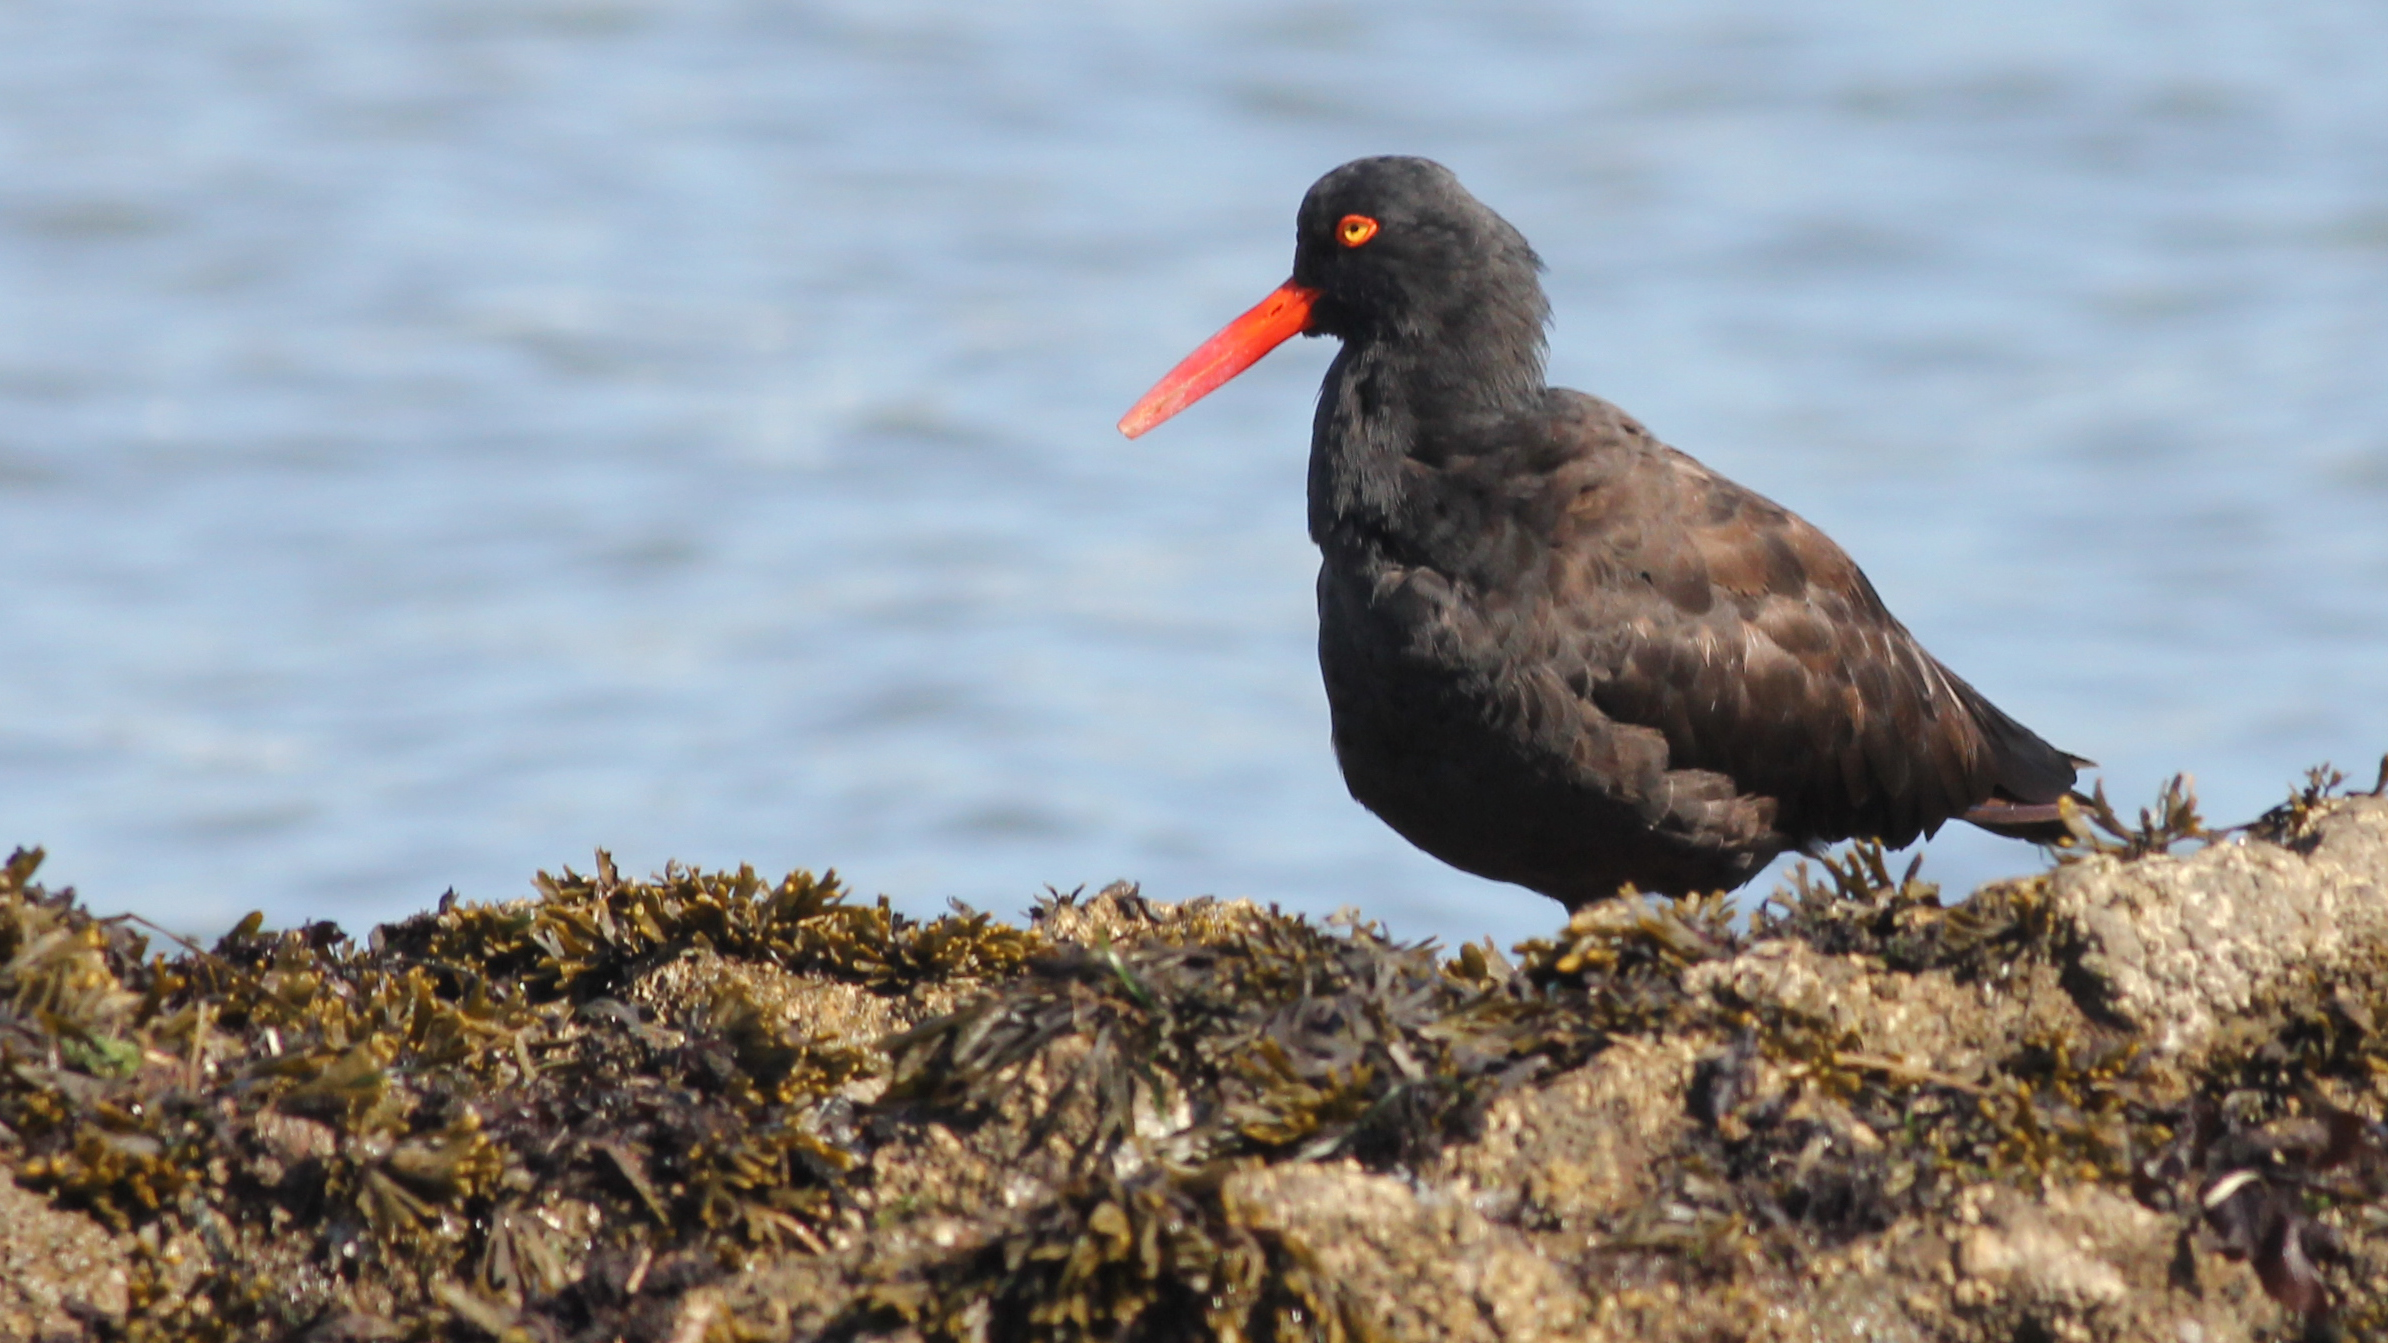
column 1559, row 652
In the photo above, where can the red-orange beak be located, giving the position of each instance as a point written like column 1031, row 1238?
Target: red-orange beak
column 1239, row 345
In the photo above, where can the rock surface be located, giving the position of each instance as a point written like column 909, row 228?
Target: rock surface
column 2135, row 1097
column 2179, row 947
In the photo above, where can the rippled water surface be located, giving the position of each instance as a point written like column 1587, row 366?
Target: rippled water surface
column 439, row 438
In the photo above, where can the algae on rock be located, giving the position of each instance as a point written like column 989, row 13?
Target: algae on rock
column 2137, row 1096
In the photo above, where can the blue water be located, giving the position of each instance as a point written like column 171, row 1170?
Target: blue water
column 439, row 438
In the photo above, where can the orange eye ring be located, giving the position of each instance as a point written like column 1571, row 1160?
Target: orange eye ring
column 1354, row 230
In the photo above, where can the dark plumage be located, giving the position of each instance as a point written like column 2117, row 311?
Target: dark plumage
column 1559, row 652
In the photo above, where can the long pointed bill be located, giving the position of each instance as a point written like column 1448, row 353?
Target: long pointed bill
column 1238, row 346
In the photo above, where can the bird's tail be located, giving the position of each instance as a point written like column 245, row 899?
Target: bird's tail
column 2038, row 822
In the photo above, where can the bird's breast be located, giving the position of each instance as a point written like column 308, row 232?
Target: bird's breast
column 1412, row 654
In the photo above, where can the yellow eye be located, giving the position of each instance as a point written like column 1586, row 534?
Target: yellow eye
column 1355, row 229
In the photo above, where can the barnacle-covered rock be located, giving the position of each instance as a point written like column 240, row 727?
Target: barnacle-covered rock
column 2181, row 947
column 55, row 1265
column 2136, row 1096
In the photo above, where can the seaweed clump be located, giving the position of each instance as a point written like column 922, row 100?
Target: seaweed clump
column 1282, row 1041
column 456, row 1119
column 708, row 1106
column 2268, row 1147
column 1163, row 1255
column 2294, row 824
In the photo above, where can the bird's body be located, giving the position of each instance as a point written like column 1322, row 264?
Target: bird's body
column 1558, row 652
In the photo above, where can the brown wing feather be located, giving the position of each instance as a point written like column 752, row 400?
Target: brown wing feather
column 1763, row 654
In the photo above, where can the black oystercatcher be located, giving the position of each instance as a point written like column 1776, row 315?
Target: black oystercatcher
column 1559, row 652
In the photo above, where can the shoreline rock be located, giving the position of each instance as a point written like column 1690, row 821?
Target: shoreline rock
column 2136, row 1096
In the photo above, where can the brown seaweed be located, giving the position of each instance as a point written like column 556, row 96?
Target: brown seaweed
column 596, row 1114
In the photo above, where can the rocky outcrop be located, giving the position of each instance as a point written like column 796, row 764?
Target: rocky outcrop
column 2136, row 1096
column 2185, row 948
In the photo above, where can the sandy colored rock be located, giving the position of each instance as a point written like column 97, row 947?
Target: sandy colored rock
column 2124, row 1100
column 1584, row 1147
column 2178, row 946
column 1421, row 1266
column 52, row 1264
column 2088, row 1263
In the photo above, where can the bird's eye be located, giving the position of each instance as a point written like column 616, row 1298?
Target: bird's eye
column 1355, row 229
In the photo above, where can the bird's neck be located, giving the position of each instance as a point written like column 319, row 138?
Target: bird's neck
column 1396, row 402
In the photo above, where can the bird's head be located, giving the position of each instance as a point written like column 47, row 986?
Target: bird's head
column 1386, row 249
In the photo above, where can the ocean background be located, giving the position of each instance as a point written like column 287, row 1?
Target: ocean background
column 441, row 438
